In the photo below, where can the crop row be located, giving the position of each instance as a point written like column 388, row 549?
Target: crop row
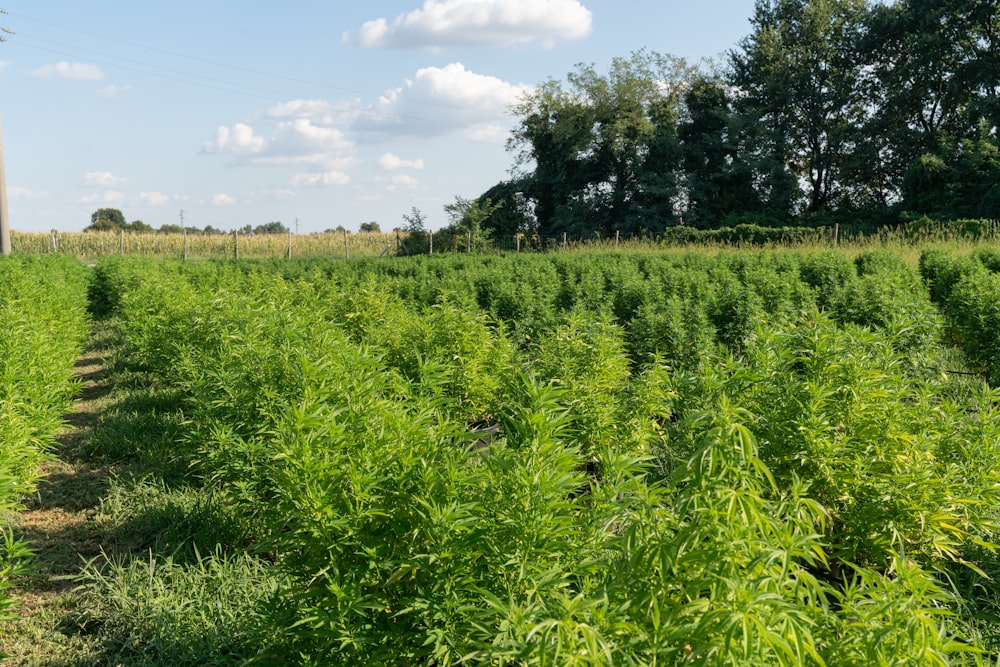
column 43, row 323
column 591, row 459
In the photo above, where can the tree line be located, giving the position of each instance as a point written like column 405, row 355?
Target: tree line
column 112, row 219
column 828, row 111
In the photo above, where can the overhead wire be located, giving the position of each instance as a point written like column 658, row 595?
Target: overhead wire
column 215, row 83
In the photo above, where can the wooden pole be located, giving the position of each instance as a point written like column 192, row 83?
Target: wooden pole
column 517, row 242
column 4, row 217
column 185, row 232
column 564, row 240
column 347, row 250
column 468, row 243
column 121, row 242
column 618, row 234
column 836, row 233
column 289, row 245
column 236, row 242
column 430, row 236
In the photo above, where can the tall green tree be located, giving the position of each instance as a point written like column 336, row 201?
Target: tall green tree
column 796, row 75
column 602, row 154
column 716, row 179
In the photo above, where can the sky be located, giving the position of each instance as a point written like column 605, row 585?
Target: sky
column 314, row 114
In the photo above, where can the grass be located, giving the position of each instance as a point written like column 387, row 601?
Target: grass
column 136, row 563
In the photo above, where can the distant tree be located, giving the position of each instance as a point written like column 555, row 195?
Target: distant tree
column 171, row 229
column 105, row 219
column 416, row 242
column 209, row 229
column 470, row 216
column 514, row 214
column 370, row 227
column 138, row 226
column 271, row 228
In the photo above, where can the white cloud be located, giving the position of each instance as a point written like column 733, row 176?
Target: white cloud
column 321, row 112
column 282, row 193
column 443, row 23
column 299, row 141
column 443, row 100
column 403, row 182
column 392, row 162
column 155, row 198
column 323, row 178
column 19, row 192
column 67, row 70
column 113, row 91
column 240, row 140
column 4, row 64
column 109, row 197
column 222, row 199
column 103, row 179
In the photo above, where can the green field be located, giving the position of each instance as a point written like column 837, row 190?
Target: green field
column 651, row 457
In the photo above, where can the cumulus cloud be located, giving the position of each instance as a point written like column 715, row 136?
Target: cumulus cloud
column 321, row 112
column 108, row 197
column 443, row 23
column 103, row 179
column 443, row 100
column 67, row 70
column 321, row 178
column 155, row 198
column 403, row 182
column 19, row 192
column 392, row 162
column 238, row 140
column 223, row 199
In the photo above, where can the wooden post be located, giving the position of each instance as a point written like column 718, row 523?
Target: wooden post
column 564, row 240
column 4, row 218
column 618, row 234
column 430, row 242
column 347, row 250
column 185, row 253
column 236, row 242
column 289, row 245
column 517, row 242
column 468, row 243
column 121, row 242
column 54, row 243
column 836, row 233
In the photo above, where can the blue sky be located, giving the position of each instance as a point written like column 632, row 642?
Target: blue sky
column 329, row 113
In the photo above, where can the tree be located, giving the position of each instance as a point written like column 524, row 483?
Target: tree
column 171, row 229
column 275, row 227
column 106, row 219
column 416, row 232
column 468, row 217
column 513, row 214
column 370, row 227
column 796, row 79
column 604, row 150
column 716, row 180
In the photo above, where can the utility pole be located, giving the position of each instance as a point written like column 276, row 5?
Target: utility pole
column 4, row 216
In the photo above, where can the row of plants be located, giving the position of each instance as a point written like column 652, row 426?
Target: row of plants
column 43, row 324
column 586, row 459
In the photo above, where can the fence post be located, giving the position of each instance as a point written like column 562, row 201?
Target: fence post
column 468, row 243
column 564, row 240
column 55, row 240
column 836, row 233
column 289, row 245
column 517, row 242
column 347, row 252
column 236, row 242
column 185, row 231
column 121, row 242
column 430, row 237
column 618, row 234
